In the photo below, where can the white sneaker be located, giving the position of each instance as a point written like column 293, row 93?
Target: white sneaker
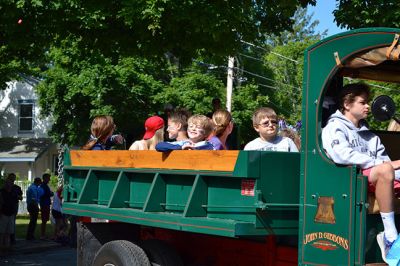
column 384, row 245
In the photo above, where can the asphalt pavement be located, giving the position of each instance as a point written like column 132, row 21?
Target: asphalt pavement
column 38, row 253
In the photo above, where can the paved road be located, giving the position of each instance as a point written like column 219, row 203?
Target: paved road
column 63, row 256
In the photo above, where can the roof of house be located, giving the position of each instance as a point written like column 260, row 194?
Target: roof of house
column 23, row 150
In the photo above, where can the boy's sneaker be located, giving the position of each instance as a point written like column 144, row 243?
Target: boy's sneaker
column 384, row 244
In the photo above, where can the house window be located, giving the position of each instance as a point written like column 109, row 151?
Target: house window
column 25, row 115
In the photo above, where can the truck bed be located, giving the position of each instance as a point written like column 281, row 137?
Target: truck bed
column 225, row 193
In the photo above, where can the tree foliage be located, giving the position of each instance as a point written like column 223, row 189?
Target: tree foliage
column 245, row 100
column 129, row 58
column 354, row 14
column 193, row 90
column 84, row 83
column 282, row 68
column 131, row 28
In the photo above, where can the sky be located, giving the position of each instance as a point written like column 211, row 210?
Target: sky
column 323, row 12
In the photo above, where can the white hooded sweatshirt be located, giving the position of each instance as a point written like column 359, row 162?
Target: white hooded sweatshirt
column 347, row 144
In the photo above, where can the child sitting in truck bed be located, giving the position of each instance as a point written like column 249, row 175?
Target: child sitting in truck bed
column 177, row 125
column 266, row 124
column 154, row 134
column 199, row 127
column 347, row 140
column 223, row 126
column 102, row 137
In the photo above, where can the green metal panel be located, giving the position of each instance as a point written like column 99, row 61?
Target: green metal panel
column 197, row 199
column 360, row 220
column 324, row 243
column 88, row 193
column 225, row 200
column 178, row 191
column 74, row 181
column 139, row 187
column 279, row 190
column 248, row 164
column 121, row 188
column 156, row 195
column 211, row 202
column 106, row 182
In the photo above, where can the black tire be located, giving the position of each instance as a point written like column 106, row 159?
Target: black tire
column 121, row 253
column 161, row 253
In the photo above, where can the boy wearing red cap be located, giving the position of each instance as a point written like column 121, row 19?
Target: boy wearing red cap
column 154, row 134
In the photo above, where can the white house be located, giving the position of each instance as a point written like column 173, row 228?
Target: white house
column 25, row 148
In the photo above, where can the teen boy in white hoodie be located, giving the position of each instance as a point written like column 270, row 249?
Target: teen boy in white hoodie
column 347, row 140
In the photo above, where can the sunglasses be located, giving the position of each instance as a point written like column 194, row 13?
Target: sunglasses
column 269, row 123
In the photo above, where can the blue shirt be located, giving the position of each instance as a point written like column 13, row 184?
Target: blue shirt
column 105, row 146
column 33, row 194
column 177, row 145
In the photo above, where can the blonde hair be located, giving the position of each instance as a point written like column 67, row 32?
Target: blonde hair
column 158, row 137
column 393, row 126
column 149, row 144
column 221, row 120
column 202, row 121
column 102, row 126
column 262, row 113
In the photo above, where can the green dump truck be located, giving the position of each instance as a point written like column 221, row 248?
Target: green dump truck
column 240, row 207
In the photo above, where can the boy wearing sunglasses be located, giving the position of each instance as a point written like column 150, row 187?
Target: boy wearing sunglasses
column 266, row 124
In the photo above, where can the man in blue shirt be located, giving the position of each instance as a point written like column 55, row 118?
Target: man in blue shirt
column 32, row 202
column 45, row 202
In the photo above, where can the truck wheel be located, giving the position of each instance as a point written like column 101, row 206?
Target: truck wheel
column 160, row 253
column 121, row 253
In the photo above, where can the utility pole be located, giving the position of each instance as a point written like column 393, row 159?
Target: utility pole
column 229, row 83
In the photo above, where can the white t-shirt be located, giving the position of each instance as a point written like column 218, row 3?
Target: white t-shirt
column 56, row 203
column 277, row 144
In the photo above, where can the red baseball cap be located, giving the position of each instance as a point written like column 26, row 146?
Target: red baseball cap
column 151, row 125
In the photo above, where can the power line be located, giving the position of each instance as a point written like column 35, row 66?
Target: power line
column 267, row 86
column 275, row 53
column 213, row 67
column 262, row 77
column 373, row 85
column 251, row 57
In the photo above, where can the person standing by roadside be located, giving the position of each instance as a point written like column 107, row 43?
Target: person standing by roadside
column 32, row 202
column 45, row 202
column 17, row 192
column 56, row 212
column 7, row 210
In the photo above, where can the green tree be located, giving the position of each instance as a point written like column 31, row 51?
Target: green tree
column 132, row 28
column 84, row 83
column 285, row 61
column 271, row 74
column 354, row 14
column 245, row 100
column 193, row 90
column 117, row 57
column 371, row 13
